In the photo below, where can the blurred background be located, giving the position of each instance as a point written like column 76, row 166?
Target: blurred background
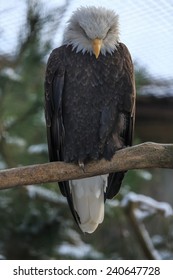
column 35, row 222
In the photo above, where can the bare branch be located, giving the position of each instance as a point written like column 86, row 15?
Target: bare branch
column 146, row 155
column 137, row 208
column 142, row 234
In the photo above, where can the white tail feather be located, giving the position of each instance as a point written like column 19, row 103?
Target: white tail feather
column 88, row 200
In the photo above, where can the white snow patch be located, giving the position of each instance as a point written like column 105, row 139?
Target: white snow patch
column 146, row 205
column 79, row 251
column 14, row 140
column 146, row 175
column 11, row 74
column 37, row 149
column 77, row 248
column 49, row 195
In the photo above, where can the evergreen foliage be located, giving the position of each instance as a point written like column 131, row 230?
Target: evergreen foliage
column 35, row 222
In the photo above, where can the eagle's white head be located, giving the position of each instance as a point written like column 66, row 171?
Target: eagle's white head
column 92, row 30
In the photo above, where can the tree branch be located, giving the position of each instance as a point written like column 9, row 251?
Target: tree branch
column 146, row 155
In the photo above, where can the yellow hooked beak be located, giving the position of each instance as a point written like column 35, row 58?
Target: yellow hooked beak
column 96, row 45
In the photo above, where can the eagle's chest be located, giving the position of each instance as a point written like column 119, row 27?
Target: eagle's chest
column 89, row 81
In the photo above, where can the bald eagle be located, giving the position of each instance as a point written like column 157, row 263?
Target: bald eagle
column 89, row 107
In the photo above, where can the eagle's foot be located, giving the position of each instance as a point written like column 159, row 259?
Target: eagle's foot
column 81, row 165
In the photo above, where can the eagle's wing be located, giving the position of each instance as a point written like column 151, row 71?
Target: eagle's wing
column 54, row 83
column 110, row 137
column 126, row 108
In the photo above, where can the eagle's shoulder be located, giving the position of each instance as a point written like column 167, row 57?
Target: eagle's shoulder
column 54, row 80
column 55, row 66
column 126, row 79
column 55, row 62
column 127, row 59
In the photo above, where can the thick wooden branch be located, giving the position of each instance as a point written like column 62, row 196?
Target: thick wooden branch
column 146, row 155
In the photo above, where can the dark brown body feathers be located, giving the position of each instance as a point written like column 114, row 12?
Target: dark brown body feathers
column 90, row 108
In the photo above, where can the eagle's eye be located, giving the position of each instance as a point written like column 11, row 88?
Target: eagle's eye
column 83, row 31
column 109, row 30
column 106, row 33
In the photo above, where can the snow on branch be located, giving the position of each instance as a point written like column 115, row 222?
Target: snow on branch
column 146, row 155
column 145, row 206
column 137, row 208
